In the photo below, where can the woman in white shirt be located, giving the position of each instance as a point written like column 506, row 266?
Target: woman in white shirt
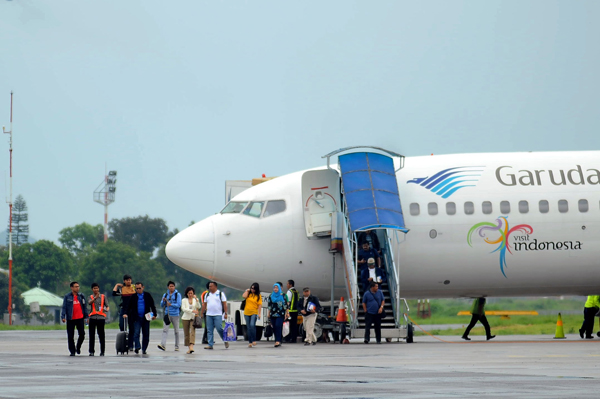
column 190, row 306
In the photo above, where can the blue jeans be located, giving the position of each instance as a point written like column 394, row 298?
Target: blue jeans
column 277, row 323
column 251, row 327
column 213, row 322
column 141, row 325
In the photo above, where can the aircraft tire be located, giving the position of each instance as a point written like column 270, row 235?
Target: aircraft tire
column 409, row 333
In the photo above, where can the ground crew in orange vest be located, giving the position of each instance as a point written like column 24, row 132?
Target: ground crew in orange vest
column 98, row 306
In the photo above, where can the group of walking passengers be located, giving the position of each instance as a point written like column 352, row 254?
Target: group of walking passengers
column 279, row 309
column 137, row 310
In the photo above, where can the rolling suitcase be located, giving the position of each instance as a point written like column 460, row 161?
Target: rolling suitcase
column 122, row 341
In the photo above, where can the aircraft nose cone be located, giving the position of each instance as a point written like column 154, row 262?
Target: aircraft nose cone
column 194, row 248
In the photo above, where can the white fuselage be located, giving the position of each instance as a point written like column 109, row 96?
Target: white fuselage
column 463, row 240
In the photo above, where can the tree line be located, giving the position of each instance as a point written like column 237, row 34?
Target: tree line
column 136, row 246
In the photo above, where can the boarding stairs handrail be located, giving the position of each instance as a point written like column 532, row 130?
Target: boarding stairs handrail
column 350, row 272
column 393, row 278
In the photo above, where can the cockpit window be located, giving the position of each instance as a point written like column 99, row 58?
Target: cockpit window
column 274, row 207
column 254, row 209
column 234, row 207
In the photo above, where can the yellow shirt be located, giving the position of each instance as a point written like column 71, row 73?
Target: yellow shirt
column 253, row 304
column 593, row 301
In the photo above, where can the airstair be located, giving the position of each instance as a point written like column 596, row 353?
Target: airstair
column 371, row 201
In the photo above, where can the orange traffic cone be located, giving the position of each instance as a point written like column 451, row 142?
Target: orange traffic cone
column 560, row 334
column 342, row 317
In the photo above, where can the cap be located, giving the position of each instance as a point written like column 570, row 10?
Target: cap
column 371, row 260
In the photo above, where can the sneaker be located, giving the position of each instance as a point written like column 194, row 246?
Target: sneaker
column 466, row 338
column 208, row 347
column 144, row 353
column 366, row 342
column 176, row 349
column 581, row 333
column 162, row 348
column 101, row 353
column 91, row 354
column 491, row 337
column 226, row 345
column 72, row 354
column 137, row 351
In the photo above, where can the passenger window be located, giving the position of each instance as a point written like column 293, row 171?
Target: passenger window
column 254, row 209
column 563, row 206
column 274, row 207
column 450, row 208
column 469, row 208
column 544, row 206
column 523, row 206
column 234, row 207
column 415, row 210
column 583, row 205
column 432, row 208
column 486, row 207
column 504, row 207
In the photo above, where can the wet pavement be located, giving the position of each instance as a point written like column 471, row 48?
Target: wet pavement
column 35, row 364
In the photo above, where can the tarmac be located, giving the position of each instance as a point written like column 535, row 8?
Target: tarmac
column 35, row 364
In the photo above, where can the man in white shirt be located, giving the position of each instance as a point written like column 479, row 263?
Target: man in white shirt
column 371, row 274
column 215, row 308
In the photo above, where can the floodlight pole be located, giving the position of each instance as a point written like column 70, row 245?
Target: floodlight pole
column 10, row 204
column 105, row 195
column 105, row 206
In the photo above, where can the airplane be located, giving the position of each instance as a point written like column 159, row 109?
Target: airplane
column 476, row 225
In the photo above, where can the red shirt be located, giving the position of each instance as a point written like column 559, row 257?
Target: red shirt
column 77, row 311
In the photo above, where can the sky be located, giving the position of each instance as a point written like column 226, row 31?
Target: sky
column 178, row 97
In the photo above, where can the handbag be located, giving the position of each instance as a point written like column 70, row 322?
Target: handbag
column 268, row 331
column 286, row 329
column 243, row 305
column 197, row 323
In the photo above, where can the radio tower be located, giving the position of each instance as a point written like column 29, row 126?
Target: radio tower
column 10, row 204
column 105, row 195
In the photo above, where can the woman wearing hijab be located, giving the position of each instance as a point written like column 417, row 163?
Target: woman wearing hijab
column 277, row 312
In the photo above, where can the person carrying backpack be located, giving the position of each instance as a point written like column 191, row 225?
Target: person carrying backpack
column 171, row 301
column 215, row 307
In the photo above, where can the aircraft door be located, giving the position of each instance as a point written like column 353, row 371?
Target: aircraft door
column 320, row 198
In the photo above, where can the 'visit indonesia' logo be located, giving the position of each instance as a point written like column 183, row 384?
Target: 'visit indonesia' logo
column 500, row 232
